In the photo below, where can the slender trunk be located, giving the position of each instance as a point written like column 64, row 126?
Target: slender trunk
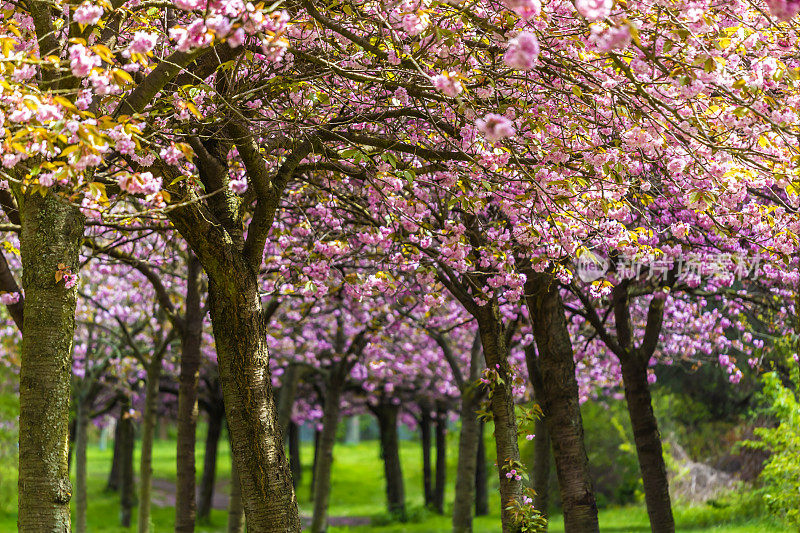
column 215, row 419
column 390, row 453
column 467, row 461
column 322, row 475
column 560, row 403
column 235, row 509
column 51, row 235
column 148, row 434
column 648, row 444
column 81, row 426
column 541, row 467
column 541, row 446
column 441, row 459
column 127, row 488
column 317, row 434
column 116, row 458
column 294, row 454
column 240, row 331
column 191, row 338
column 496, row 353
column 286, row 396
column 481, row 477
column 425, row 437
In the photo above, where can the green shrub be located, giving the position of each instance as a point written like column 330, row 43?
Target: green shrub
column 780, row 479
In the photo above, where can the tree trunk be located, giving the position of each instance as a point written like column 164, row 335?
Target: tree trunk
column 322, row 475
column 481, row 476
column 191, row 338
column 204, row 504
column 425, row 437
column 541, row 467
column 441, row 459
column 286, row 396
column 116, row 458
column 127, row 488
column 81, row 426
column 235, row 509
column 294, row 454
column 240, row 331
column 560, row 402
column 51, row 236
column 648, row 444
column 467, row 457
column 148, row 434
column 390, row 453
column 317, row 434
column 541, row 446
column 496, row 353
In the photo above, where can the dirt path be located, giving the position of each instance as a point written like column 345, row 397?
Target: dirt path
column 164, row 496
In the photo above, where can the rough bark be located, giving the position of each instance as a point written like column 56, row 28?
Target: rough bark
column 541, row 445
column 215, row 418
column 127, row 488
column 330, row 421
column 240, row 332
column 648, row 445
column 634, row 360
column 441, row 459
column 481, row 476
column 191, row 338
column 496, row 353
column 560, row 403
column 295, row 465
column 467, row 462
column 235, row 509
column 81, row 426
column 425, row 440
column 240, row 327
column 148, row 434
column 386, row 414
column 50, row 236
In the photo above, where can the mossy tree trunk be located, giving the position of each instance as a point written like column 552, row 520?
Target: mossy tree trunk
column 330, row 422
column 441, row 459
column 559, row 402
column 481, row 476
column 127, row 486
column 425, row 421
column 386, row 413
column 50, row 239
column 216, row 416
column 191, row 357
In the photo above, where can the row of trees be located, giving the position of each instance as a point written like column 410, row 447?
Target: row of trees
column 394, row 178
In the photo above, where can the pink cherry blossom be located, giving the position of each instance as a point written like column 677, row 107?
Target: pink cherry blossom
column 495, row 127
column 594, row 9
column 522, row 52
column 87, row 13
column 448, row 83
column 524, row 8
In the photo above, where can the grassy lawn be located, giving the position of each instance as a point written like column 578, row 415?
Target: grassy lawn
column 358, row 491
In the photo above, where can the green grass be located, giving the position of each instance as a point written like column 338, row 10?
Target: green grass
column 357, row 490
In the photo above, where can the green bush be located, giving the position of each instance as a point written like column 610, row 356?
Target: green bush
column 9, row 421
column 780, row 479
